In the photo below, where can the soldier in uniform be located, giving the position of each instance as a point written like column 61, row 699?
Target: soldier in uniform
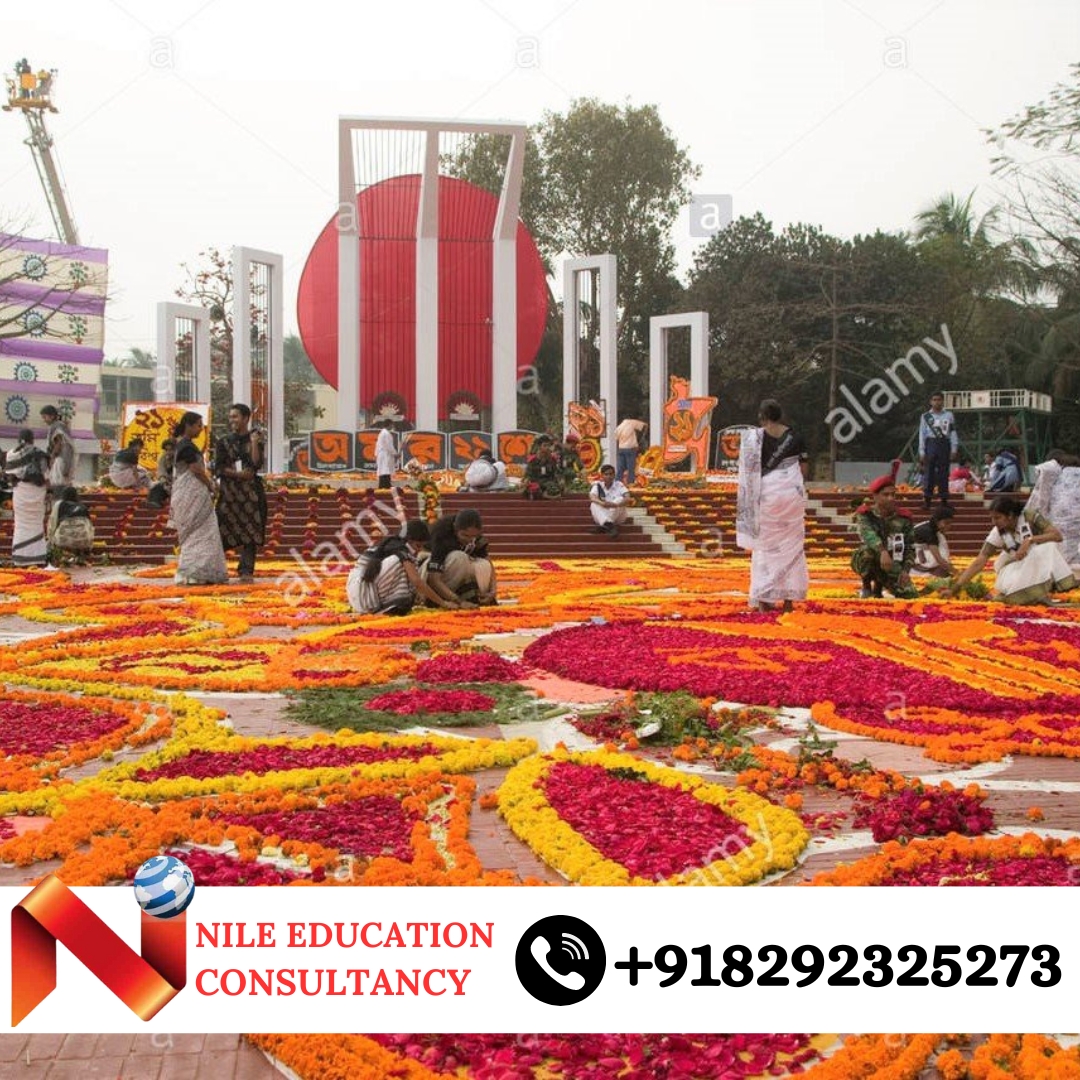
column 887, row 543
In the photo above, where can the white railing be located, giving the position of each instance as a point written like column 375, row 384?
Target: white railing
column 969, row 400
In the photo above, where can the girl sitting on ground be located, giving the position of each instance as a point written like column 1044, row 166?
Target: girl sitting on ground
column 71, row 532
column 386, row 579
column 1028, row 563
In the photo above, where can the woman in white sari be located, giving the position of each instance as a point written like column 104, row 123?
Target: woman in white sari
column 1056, row 495
column 28, row 465
column 771, row 514
column 191, row 510
column 1029, row 564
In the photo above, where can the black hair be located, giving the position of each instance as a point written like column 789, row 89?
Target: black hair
column 1063, row 458
column 26, row 436
column 1005, row 504
column 416, row 529
column 182, row 424
column 942, row 513
column 243, row 410
column 607, row 468
column 468, row 519
column 136, row 441
column 770, row 410
column 69, row 494
column 937, row 393
column 50, row 410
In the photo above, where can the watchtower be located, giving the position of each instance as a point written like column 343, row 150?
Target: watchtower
column 1018, row 420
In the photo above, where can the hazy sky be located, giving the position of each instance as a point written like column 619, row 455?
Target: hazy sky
column 213, row 122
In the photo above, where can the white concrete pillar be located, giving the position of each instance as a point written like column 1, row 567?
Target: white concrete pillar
column 243, row 259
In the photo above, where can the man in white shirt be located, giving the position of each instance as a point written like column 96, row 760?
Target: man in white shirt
column 385, row 457
column 609, row 501
column 626, row 443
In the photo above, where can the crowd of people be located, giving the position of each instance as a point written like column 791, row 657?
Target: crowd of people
column 213, row 508
column 49, row 521
column 219, row 504
column 1033, row 545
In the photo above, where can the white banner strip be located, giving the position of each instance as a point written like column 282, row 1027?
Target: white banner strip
column 448, row 960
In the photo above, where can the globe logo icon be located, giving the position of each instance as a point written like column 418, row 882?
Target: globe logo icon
column 164, row 886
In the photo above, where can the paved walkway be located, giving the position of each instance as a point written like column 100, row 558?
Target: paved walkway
column 132, row 1057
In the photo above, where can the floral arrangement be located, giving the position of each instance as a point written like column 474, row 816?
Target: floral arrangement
column 957, row 860
column 523, row 1057
column 730, row 838
column 676, row 1057
column 406, row 831
column 417, row 702
column 472, row 667
column 919, row 811
column 427, row 490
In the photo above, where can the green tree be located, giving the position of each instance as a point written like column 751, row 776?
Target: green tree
column 600, row 178
column 800, row 314
column 301, row 412
column 979, row 282
column 210, row 285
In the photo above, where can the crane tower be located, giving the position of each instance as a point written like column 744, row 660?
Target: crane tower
column 30, row 93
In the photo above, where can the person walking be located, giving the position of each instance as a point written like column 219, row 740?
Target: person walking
column 191, row 510
column 938, row 446
column 626, row 448
column 238, row 458
column 771, row 509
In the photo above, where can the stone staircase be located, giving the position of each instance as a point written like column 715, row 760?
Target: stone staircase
column 833, row 512
column 697, row 522
column 313, row 523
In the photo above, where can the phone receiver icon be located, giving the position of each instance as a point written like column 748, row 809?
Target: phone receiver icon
column 539, row 949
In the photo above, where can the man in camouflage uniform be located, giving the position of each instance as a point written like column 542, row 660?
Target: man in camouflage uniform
column 887, row 544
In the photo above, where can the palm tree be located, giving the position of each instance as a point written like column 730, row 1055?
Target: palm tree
column 136, row 358
column 948, row 232
column 976, row 276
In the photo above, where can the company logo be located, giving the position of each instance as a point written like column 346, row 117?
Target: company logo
column 560, row 960
column 145, row 983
